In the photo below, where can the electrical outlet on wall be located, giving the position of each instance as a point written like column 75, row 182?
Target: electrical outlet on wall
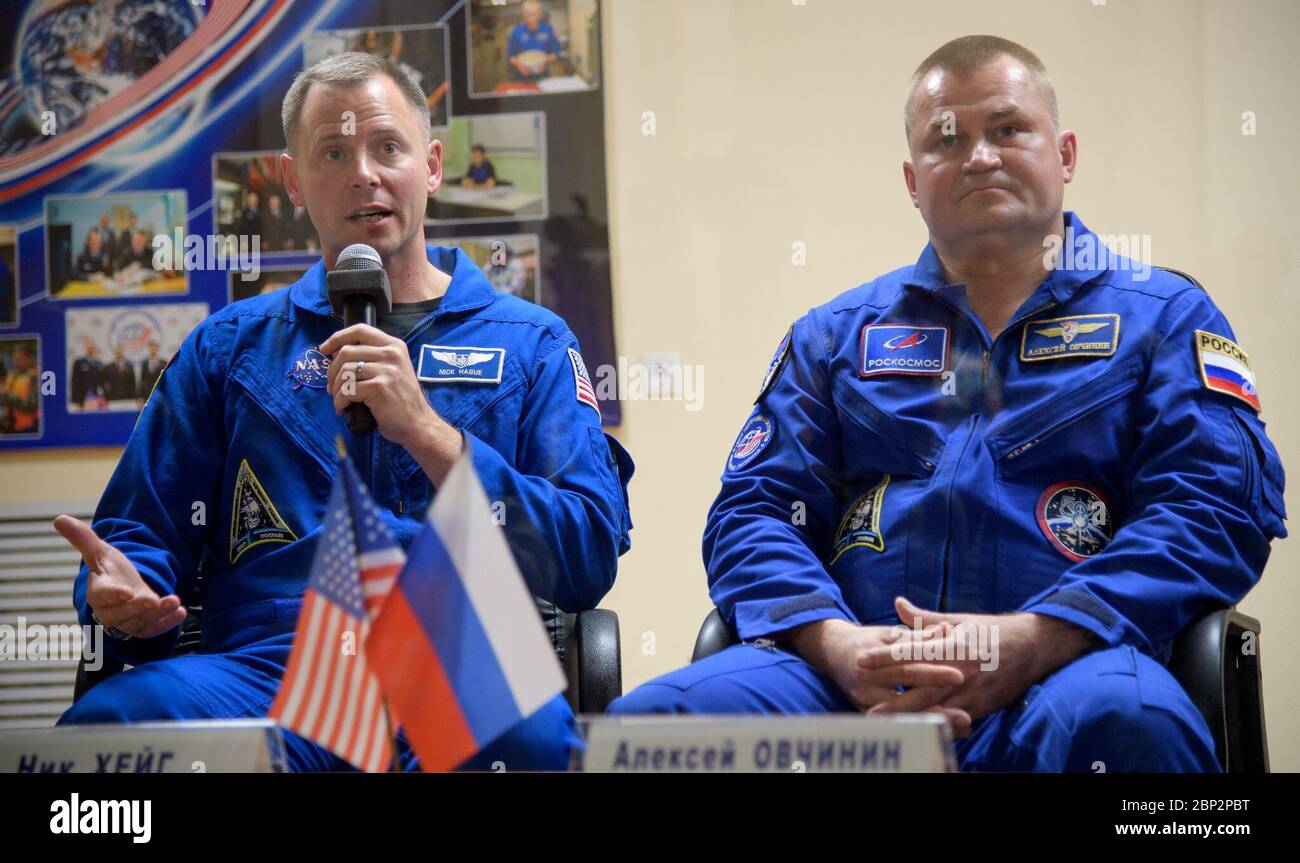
column 663, row 383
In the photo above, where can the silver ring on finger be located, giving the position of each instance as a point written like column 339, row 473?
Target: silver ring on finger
column 361, row 364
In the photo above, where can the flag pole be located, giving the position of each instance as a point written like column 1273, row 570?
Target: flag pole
column 392, row 731
column 342, row 448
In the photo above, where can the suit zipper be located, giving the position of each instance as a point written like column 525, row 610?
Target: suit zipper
column 947, row 542
column 1020, row 449
column 984, row 380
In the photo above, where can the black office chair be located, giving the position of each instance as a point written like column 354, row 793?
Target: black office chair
column 1208, row 659
column 587, row 644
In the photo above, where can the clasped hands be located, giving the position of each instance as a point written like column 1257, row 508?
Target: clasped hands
column 940, row 661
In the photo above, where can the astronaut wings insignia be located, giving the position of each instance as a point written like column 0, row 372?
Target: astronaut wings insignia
column 446, row 364
column 1069, row 330
column 460, row 361
column 1076, row 336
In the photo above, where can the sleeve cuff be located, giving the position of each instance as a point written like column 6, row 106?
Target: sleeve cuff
column 765, row 618
column 1083, row 610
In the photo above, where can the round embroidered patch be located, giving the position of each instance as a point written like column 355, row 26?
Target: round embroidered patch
column 754, row 438
column 1075, row 519
column 310, row 369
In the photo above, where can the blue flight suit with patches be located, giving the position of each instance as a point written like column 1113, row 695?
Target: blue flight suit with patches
column 522, row 39
column 1101, row 461
column 230, row 468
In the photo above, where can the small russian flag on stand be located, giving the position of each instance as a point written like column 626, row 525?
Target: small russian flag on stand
column 458, row 647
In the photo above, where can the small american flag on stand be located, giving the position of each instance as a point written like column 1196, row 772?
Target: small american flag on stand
column 330, row 694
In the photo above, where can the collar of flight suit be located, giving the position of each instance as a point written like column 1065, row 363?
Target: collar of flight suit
column 1063, row 282
column 469, row 290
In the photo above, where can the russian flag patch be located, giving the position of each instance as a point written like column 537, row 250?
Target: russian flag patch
column 1225, row 368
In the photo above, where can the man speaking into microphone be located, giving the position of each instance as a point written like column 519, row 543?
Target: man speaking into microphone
column 230, row 466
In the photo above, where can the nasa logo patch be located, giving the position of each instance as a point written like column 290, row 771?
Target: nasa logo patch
column 754, row 438
column 440, row 364
column 310, row 369
column 903, row 349
column 1075, row 336
column 777, row 363
column 860, row 527
column 1075, row 519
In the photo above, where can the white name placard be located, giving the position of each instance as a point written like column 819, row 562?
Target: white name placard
column 202, row 746
column 836, row 743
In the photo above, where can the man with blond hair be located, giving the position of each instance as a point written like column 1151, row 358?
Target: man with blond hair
column 244, row 418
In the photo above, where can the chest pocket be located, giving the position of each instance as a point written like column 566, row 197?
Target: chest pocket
column 489, row 412
column 278, row 407
column 1089, row 426
column 876, row 442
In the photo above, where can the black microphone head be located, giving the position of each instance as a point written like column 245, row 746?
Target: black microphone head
column 358, row 278
column 358, row 256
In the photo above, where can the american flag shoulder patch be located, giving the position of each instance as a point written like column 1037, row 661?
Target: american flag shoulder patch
column 582, row 382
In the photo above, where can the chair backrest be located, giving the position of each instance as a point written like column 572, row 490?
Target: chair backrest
column 592, row 659
column 1216, row 659
column 715, row 636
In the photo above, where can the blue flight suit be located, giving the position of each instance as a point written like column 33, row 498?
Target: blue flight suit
column 522, row 39
column 1082, row 465
column 232, row 460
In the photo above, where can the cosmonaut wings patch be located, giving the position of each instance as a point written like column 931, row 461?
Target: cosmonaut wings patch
column 1076, row 336
column 1225, row 368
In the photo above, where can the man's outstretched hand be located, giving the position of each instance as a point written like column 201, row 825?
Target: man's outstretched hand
column 117, row 594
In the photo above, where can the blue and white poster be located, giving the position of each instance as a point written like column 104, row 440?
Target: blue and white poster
column 126, row 121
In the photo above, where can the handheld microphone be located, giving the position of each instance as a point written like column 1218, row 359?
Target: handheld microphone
column 359, row 292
